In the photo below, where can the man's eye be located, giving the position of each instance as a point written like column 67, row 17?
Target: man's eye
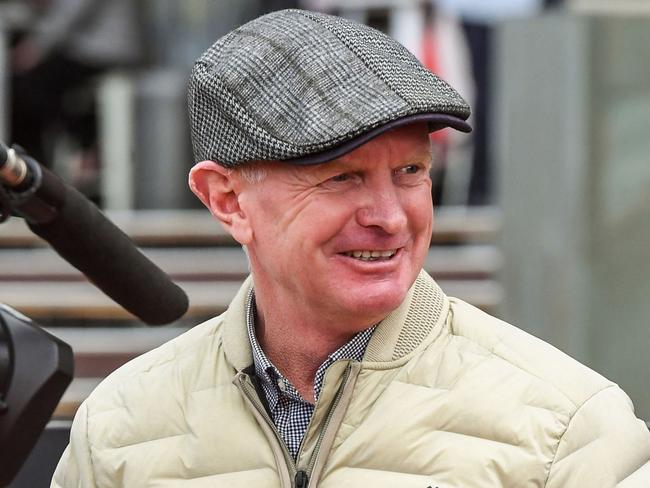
column 411, row 169
column 341, row 181
column 341, row 177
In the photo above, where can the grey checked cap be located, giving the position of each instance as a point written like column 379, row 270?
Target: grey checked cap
column 306, row 87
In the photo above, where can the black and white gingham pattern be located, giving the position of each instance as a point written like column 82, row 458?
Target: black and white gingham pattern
column 293, row 83
column 289, row 411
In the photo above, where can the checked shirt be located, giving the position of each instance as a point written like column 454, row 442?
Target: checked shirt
column 289, row 411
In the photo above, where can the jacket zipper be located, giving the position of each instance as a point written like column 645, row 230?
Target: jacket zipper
column 330, row 413
column 301, row 479
column 300, row 476
column 250, row 393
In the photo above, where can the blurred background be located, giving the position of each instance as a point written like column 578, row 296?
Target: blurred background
column 543, row 212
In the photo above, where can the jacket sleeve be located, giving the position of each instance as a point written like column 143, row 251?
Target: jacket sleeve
column 604, row 445
column 75, row 466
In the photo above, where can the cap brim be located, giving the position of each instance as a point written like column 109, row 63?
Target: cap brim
column 435, row 121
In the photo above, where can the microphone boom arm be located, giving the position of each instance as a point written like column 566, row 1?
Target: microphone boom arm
column 88, row 240
column 83, row 236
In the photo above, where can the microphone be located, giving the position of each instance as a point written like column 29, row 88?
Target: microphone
column 81, row 234
column 13, row 171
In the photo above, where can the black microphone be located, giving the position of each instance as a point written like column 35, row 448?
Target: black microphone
column 81, row 234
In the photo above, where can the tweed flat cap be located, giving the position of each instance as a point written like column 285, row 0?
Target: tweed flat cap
column 307, row 87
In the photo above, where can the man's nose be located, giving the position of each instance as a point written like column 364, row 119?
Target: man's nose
column 382, row 208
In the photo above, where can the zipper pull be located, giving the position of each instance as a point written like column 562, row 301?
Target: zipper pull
column 301, row 479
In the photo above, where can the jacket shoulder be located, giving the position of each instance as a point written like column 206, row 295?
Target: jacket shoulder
column 532, row 356
column 150, row 372
column 586, row 433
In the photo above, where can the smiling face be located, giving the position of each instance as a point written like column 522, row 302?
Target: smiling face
column 343, row 240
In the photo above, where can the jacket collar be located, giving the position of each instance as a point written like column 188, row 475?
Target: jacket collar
column 235, row 334
column 410, row 326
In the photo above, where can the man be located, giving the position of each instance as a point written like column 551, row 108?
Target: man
column 340, row 362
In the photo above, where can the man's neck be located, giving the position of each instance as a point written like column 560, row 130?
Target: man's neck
column 297, row 344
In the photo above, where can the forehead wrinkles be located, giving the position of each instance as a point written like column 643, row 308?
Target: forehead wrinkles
column 287, row 188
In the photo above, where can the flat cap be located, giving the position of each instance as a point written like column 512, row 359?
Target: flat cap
column 306, row 88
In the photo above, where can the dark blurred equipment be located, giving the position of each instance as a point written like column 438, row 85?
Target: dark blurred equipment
column 40, row 464
column 35, row 370
column 36, row 367
column 85, row 238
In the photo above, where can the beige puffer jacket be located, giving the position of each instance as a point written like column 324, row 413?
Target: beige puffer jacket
column 446, row 396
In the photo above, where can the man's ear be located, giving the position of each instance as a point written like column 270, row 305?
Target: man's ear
column 218, row 188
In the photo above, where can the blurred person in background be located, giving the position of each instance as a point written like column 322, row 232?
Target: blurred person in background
column 478, row 18
column 341, row 362
column 445, row 52
column 67, row 44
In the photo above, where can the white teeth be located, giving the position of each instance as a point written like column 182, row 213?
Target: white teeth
column 370, row 255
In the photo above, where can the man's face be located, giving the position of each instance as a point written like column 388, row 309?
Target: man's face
column 346, row 239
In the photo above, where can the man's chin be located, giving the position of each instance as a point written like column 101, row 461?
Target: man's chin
column 375, row 301
column 369, row 295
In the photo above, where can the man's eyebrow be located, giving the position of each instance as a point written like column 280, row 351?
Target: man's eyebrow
column 347, row 161
column 425, row 155
column 421, row 157
column 336, row 165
